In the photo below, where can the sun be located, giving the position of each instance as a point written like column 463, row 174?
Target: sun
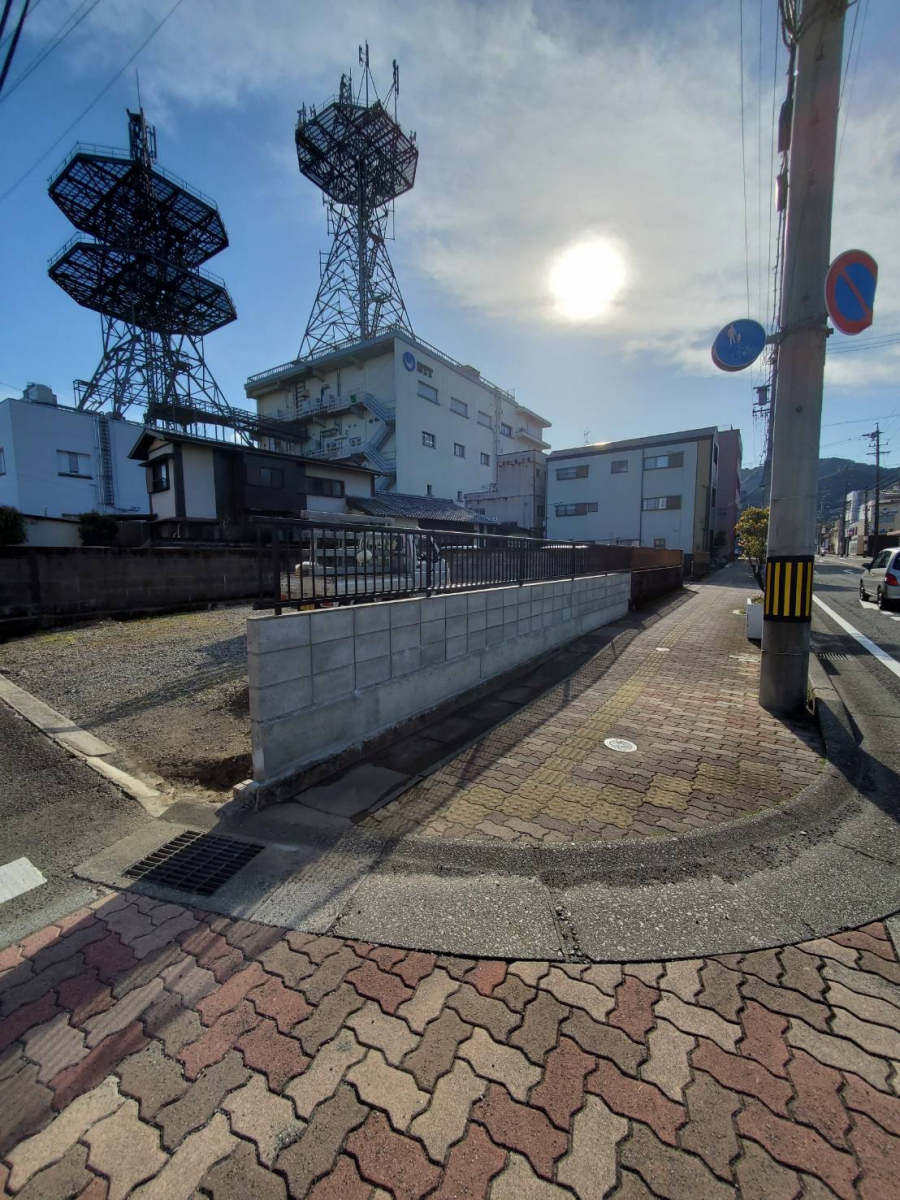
column 586, row 277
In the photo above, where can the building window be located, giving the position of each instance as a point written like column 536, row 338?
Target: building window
column 484, row 419
column 505, row 429
column 423, row 370
column 459, row 450
column 540, row 509
column 652, row 503
column 427, row 489
column 459, row 497
column 575, row 510
column 271, row 477
column 618, row 466
column 427, row 392
column 158, row 475
column 428, row 439
column 571, row 472
column 2, row 461
column 659, row 461
column 325, row 487
column 485, row 459
column 69, row 462
column 459, row 406
column 659, row 543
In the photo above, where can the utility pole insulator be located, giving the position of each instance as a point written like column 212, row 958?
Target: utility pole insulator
column 801, row 357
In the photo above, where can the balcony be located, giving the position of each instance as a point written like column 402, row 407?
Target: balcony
column 533, row 439
column 315, row 406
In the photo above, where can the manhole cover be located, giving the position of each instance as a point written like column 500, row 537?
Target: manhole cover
column 621, row 744
column 195, row 862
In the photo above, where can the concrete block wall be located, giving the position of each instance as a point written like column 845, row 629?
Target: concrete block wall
column 324, row 682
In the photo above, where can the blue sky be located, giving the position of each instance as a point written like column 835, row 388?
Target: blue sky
column 540, row 125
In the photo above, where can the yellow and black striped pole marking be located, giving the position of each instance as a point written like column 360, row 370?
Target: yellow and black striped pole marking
column 789, row 580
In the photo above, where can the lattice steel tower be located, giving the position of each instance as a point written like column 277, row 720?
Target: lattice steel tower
column 139, row 267
column 357, row 153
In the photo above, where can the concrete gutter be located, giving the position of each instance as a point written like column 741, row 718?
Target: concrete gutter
column 79, row 742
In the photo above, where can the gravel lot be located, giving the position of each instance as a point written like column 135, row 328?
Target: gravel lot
column 171, row 692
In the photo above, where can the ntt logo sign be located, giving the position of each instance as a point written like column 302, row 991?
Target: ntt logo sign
column 409, row 361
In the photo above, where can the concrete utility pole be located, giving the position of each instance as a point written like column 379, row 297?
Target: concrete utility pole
column 801, row 357
column 876, row 438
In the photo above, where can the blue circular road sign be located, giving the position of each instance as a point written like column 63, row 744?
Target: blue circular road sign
column 738, row 345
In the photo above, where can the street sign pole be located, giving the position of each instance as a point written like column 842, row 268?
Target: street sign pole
column 801, row 359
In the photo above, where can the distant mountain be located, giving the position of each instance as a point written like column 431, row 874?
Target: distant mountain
column 837, row 476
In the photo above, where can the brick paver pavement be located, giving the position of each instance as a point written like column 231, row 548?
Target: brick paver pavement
column 150, row 1051
column 684, row 691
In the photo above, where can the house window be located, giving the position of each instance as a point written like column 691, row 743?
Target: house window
column 423, row 370
column 158, row 475
column 2, row 461
column 660, row 461
column 571, row 472
column 325, row 487
column 575, row 510
column 505, row 429
column 427, row 392
column 484, row 419
column 485, row 459
column 659, row 543
column 459, row 450
column 427, row 489
column 459, row 406
column 69, row 462
column 618, row 466
column 271, row 477
column 652, row 503
column 428, row 439
column 459, row 497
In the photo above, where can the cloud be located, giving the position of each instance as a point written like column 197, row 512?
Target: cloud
column 538, row 123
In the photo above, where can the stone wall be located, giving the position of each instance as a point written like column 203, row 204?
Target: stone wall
column 44, row 585
column 322, row 683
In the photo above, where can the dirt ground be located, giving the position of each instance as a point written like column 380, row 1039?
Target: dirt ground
column 170, row 692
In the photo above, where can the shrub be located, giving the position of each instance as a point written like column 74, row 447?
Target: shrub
column 96, row 529
column 752, row 532
column 12, row 526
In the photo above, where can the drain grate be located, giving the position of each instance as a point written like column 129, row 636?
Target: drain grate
column 195, row 862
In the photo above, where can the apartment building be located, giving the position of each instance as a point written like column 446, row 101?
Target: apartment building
column 429, row 425
column 57, row 462
column 653, row 491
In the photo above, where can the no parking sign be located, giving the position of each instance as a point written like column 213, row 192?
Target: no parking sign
column 850, row 291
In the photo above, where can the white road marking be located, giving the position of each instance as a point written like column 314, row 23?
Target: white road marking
column 18, row 876
column 876, row 651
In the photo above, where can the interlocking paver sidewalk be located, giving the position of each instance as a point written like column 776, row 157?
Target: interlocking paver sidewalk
column 684, row 691
column 322, row 1067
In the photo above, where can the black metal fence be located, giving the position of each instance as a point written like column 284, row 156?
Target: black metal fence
column 303, row 563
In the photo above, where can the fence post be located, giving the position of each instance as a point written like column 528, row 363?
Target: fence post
column 573, row 558
column 521, row 557
column 276, row 572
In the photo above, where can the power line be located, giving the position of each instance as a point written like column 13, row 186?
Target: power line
column 744, row 158
column 14, row 40
column 7, row 6
column 65, row 133
column 58, row 38
column 862, row 31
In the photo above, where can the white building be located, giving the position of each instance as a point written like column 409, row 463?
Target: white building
column 58, row 462
column 429, row 425
column 654, row 491
column 519, row 498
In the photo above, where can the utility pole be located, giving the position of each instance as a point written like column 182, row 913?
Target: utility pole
column 843, row 519
column 765, row 405
column 876, row 438
column 801, row 357
column 866, row 524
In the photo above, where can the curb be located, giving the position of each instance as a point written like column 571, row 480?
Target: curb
column 80, row 744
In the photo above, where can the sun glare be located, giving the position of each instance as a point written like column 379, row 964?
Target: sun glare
column 585, row 279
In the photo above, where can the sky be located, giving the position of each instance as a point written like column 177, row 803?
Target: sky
column 593, row 147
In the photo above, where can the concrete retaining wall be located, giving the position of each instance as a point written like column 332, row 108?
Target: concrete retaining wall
column 324, row 682
column 43, row 585
column 656, row 581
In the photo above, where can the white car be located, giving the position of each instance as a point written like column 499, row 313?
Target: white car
column 881, row 579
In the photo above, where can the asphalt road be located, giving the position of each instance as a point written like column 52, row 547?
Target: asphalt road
column 836, row 584
column 55, row 812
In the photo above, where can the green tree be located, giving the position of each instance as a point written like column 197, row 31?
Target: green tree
column 12, row 527
column 96, row 529
column 752, row 532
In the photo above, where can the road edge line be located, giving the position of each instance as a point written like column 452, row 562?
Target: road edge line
column 873, row 648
